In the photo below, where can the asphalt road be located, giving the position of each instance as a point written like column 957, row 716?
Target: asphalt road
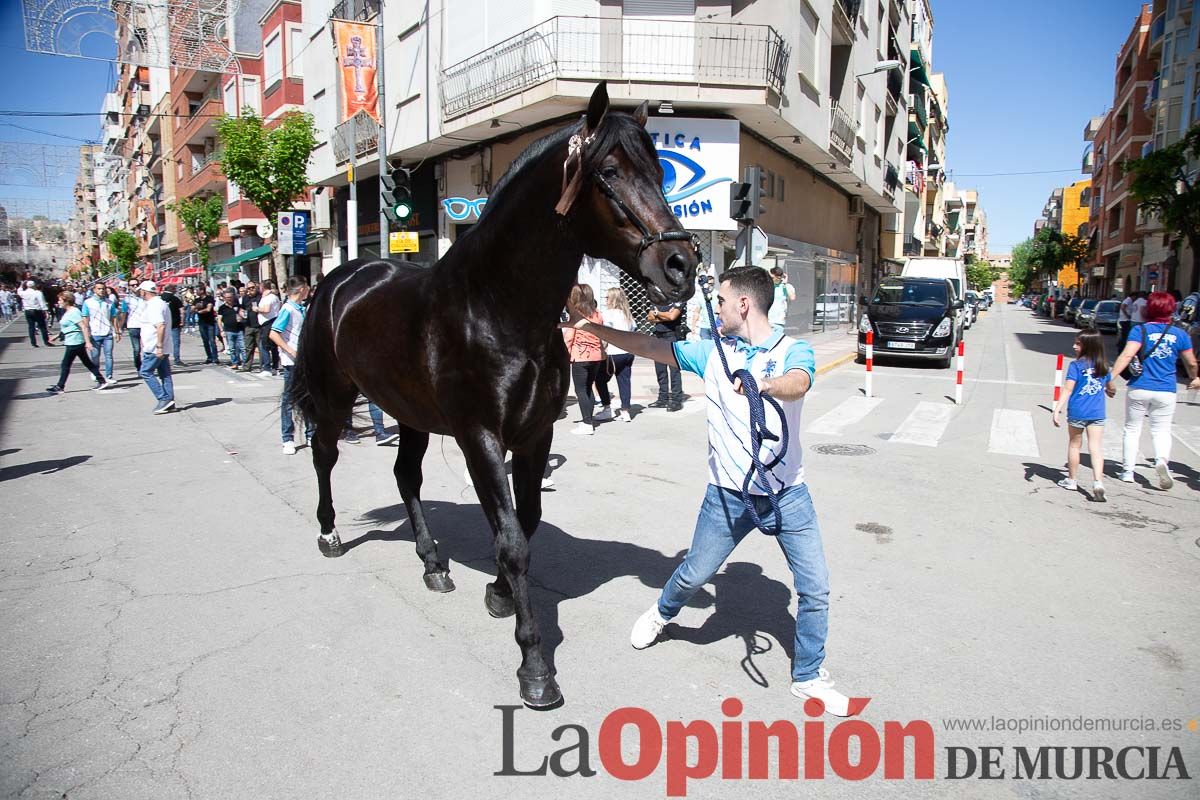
column 171, row 630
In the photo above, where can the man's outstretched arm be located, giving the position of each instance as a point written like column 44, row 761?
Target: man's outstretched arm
column 639, row 344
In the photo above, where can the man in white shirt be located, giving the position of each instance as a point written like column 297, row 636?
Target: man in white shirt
column 100, row 313
column 1137, row 312
column 267, row 308
column 154, row 322
column 34, row 303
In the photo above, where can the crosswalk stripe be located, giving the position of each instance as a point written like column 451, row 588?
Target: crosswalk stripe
column 925, row 425
column 1013, row 433
column 843, row 415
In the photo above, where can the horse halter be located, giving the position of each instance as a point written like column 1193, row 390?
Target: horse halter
column 570, row 192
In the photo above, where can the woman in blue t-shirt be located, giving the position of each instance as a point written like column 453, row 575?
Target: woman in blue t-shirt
column 1088, row 380
column 1159, row 346
column 71, row 332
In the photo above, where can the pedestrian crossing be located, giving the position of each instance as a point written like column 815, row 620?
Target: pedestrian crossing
column 1010, row 432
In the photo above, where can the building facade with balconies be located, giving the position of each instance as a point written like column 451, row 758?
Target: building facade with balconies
column 790, row 88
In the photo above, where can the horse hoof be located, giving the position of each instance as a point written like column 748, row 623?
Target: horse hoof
column 331, row 545
column 540, row 692
column 497, row 604
column 439, row 582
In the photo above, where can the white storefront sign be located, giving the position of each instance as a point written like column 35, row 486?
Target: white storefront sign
column 700, row 158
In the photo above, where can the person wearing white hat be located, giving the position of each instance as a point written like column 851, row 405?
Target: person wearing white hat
column 154, row 320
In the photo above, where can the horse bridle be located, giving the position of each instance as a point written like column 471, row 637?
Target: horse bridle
column 648, row 238
column 570, row 191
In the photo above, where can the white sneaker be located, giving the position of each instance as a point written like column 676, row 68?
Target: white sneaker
column 603, row 414
column 265, row 372
column 622, row 415
column 1098, row 492
column 583, row 429
column 647, row 629
column 821, row 688
column 1126, row 476
column 289, row 448
column 547, row 483
column 1068, row 484
column 1165, row 481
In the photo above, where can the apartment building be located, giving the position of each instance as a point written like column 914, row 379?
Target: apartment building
column 83, row 235
column 923, row 221
column 1116, row 266
column 975, row 227
column 934, row 243
column 795, row 88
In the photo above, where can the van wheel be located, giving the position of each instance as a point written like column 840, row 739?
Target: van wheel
column 946, row 362
column 860, row 359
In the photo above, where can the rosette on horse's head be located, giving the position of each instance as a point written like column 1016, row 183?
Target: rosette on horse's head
column 612, row 181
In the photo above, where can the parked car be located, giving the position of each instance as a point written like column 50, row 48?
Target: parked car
column 833, row 308
column 916, row 318
column 973, row 303
column 1085, row 308
column 1103, row 317
column 1072, row 309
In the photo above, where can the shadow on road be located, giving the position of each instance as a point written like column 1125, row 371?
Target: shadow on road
column 746, row 603
column 43, row 467
column 1051, row 343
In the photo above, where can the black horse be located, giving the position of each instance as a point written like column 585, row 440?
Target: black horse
column 470, row 347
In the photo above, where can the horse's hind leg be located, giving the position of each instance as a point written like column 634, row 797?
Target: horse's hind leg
column 330, row 421
column 485, row 459
column 413, row 444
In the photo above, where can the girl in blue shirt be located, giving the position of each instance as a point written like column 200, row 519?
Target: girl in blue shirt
column 1088, row 380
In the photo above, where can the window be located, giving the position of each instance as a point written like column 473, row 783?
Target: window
column 230, row 99
column 296, row 45
column 806, row 44
column 232, row 192
column 251, row 93
column 273, row 58
column 861, row 112
column 781, row 186
column 880, row 136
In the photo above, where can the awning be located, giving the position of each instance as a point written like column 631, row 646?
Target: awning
column 917, row 70
column 231, row 266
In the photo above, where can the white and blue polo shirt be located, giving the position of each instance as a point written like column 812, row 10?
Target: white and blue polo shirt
column 289, row 322
column 729, row 457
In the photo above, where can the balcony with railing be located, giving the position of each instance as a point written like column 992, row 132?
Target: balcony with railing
column 1157, row 28
column 1089, row 161
column 845, row 18
column 1152, row 92
column 912, row 245
column 891, row 179
column 357, row 10
column 617, row 49
column 843, row 128
column 1092, row 128
column 359, row 134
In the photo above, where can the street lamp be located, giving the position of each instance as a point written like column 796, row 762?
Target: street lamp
column 883, row 66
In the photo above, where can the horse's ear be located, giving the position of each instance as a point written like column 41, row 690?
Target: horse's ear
column 597, row 106
column 642, row 113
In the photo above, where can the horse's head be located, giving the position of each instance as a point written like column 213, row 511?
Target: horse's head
column 613, row 201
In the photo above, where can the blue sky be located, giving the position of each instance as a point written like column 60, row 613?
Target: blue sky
column 1024, row 79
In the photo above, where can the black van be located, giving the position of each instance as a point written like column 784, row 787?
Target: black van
column 912, row 318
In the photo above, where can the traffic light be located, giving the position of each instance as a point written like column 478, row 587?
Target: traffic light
column 745, row 199
column 395, row 193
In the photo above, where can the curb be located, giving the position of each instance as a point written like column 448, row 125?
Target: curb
column 837, row 362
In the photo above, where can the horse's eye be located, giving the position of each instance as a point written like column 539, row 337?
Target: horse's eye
column 609, row 172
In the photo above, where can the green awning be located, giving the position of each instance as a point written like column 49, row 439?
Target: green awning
column 231, row 266
column 917, row 70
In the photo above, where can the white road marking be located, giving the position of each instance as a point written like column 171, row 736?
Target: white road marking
column 1188, row 436
column 885, row 373
column 843, row 415
column 925, row 425
column 1013, row 433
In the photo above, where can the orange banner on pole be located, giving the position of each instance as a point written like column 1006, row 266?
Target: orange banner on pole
column 358, row 64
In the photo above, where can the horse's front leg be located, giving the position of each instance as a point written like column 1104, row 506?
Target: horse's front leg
column 529, row 467
column 485, row 460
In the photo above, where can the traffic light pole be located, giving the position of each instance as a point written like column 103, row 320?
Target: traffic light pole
column 380, row 46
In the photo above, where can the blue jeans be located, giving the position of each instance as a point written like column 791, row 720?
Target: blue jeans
column 135, row 341
column 723, row 523
column 103, row 345
column 208, row 335
column 175, row 332
column 287, row 426
column 156, row 372
column 376, row 419
column 235, row 343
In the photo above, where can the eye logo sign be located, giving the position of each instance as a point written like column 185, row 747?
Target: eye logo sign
column 671, row 162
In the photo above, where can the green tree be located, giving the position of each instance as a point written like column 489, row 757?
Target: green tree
column 1020, row 270
column 981, row 274
column 269, row 165
column 201, row 218
column 1163, row 185
column 124, row 247
column 1050, row 250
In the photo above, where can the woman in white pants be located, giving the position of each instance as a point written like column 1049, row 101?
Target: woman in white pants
column 1159, row 345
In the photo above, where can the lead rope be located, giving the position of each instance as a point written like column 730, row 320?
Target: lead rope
column 759, row 432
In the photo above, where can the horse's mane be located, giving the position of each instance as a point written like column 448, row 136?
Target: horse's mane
column 617, row 130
